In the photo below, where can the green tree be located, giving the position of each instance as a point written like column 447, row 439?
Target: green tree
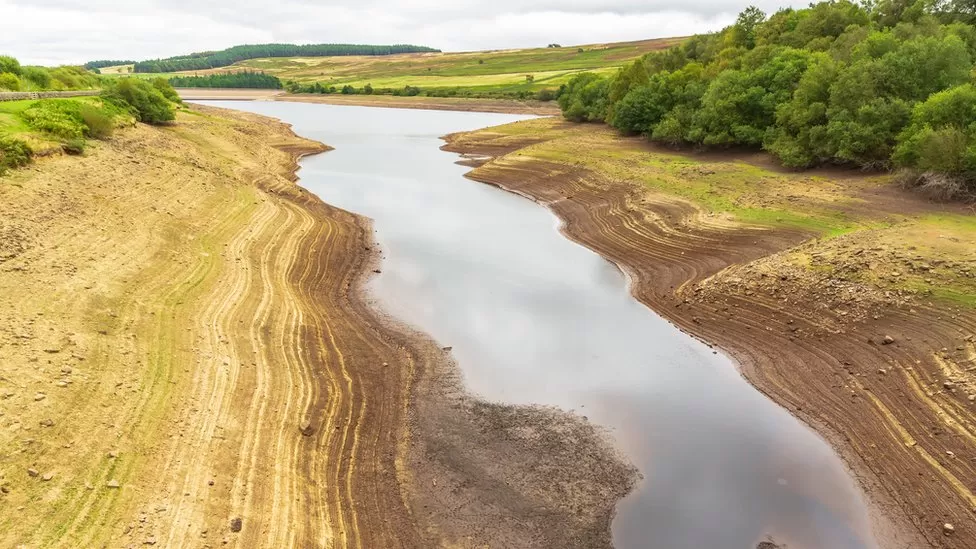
column 745, row 27
column 147, row 103
column 9, row 81
column 9, row 64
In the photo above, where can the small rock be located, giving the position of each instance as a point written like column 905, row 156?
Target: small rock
column 948, row 529
column 882, row 371
column 32, row 472
column 306, row 428
column 236, row 524
column 447, row 348
column 210, row 482
column 113, row 454
column 112, row 483
column 39, row 397
column 150, row 541
column 948, row 385
column 888, row 340
column 66, row 369
column 950, row 453
column 47, row 477
column 47, row 423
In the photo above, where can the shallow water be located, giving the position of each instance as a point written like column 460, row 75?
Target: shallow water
column 535, row 318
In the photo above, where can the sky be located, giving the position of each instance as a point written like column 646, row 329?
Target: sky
column 52, row 32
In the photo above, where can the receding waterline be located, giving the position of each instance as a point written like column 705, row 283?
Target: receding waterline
column 536, row 319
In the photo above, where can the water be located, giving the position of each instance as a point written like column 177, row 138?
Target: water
column 535, row 318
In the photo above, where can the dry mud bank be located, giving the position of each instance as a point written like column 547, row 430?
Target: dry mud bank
column 186, row 360
column 843, row 299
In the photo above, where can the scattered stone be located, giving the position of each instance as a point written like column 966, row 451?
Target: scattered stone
column 948, row 529
column 32, row 472
column 948, row 385
column 113, row 454
column 950, row 453
column 306, row 428
column 210, row 482
column 112, row 483
column 236, row 524
column 377, row 271
column 39, row 397
column 447, row 348
column 47, row 477
column 150, row 541
column 888, row 340
column 882, row 371
column 47, row 423
column 66, row 369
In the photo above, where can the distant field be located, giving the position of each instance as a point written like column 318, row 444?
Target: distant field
column 486, row 71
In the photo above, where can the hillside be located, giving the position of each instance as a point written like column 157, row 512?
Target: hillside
column 496, row 72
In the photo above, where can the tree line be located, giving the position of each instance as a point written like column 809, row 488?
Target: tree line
column 873, row 85
column 224, row 58
column 15, row 77
column 242, row 79
column 102, row 63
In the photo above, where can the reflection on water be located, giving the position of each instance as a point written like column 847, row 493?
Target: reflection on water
column 535, row 318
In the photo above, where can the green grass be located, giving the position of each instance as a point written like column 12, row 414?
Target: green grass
column 478, row 72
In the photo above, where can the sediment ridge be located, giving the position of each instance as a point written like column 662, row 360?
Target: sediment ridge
column 885, row 379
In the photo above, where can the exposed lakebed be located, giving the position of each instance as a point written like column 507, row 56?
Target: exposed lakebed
column 536, row 319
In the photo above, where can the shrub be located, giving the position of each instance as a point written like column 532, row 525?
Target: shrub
column 166, row 89
column 100, row 124
column 13, row 153
column 39, row 77
column 142, row 99
column 58, row 117
column 74, row 146
column 9, row 81
column 9, row 64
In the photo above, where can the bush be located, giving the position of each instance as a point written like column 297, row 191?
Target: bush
column 39, row 77
column 142, row 99
column 9, row 81
column 58, row 117
column 9, row 64
column 74, row 146
column 13, row 153
column 166, row 89
column 100, row 124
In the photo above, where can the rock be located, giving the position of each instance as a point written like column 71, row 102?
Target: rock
column 948, row 385
column 948, row 529
column 447, row 348
column 47, row 423
column 236, row 524
column 47, row 477
column 150, row 541
column 113, row 454
column 882, row 371
column 888, row 340
column 112, row 484
column 66, row 369
column 32, row 472
column 39, row 397
column 306, row 428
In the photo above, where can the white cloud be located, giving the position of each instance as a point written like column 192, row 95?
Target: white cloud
column 74, row 31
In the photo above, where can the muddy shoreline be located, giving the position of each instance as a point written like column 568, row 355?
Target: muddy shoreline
column 792, row 354
column 460, row 459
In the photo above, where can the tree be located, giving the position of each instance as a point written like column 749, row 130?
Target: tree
column 9, row 81
column 744, row 29
column 146, row 102
column 368, row 89
column 10, row 65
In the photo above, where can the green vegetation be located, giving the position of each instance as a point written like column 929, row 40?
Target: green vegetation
column 224, row 58
column 877, row 86
column 535, row 73
column 243, row 79
column 14, row 77
column 149, row 102
column 33, row 126
column 101, row 64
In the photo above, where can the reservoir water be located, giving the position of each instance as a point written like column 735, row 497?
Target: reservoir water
column 536, row 319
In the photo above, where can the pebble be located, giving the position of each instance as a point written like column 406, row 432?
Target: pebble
column 39, row 397
column 47, row 476
column 948, row 529
column 236, row 524
column 47, row 423
column 112, row 483
column 888, row 340
column 32, row 472
column 882, row 371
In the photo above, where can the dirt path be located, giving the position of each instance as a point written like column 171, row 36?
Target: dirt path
column 188, row 361
column 898, row 410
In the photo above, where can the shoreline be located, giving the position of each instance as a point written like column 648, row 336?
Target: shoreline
column 892, row 524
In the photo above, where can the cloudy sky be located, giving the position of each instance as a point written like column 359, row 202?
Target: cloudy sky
column 73, row 31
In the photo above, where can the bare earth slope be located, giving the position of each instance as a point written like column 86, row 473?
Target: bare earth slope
column 186, row 361
column 807, row 318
